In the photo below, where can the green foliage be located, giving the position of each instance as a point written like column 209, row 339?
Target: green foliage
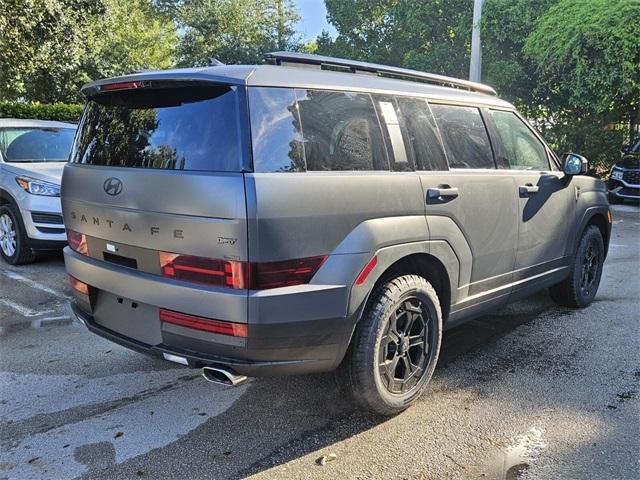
column 506, row 25
column 587, row 54
column 433, row 36
column 42, row 43
column 63, row 112
column 49, row 48
column 139, row 38
column 235, row 31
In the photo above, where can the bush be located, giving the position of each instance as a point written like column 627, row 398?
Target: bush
column 65, row 112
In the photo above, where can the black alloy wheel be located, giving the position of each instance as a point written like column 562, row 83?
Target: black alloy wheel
column 405, row 346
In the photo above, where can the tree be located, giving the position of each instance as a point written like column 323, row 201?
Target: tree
column 587, row 56
column 235, row 31
column 49, row 48
column 506, row 25
column 137, row 37
column 42, row 45
column 432, row 36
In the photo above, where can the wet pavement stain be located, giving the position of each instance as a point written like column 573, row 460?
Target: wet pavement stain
column 96, row 456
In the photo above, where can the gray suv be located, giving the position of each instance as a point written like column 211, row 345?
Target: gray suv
column 313, row 214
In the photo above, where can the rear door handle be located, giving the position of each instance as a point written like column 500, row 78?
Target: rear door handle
column 443, row 192
column 528, row 189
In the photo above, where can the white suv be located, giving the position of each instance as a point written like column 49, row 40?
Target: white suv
column 32, row 155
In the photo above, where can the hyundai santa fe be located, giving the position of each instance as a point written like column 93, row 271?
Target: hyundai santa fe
column 315, row 214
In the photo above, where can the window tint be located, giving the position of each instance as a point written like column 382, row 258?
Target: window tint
column 341, row 131
column 275, row 130
column 522, row 149
column 464, row 136
column 194, row 128
column 36, row 144
column 421, row 134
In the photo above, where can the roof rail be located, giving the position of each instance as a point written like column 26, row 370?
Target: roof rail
column 288, row 58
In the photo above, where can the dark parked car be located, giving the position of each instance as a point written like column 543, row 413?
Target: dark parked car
column 287, row 218
column 624, row 179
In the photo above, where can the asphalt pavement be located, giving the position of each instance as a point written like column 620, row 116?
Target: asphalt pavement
column 532, row 391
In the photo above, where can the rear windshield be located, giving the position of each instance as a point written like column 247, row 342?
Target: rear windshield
column 22, row 145
column 188, row 128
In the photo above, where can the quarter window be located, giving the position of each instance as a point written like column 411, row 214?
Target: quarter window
column 464, row 136
column 341, row 131
column 421, row 134
column 522, row 149
column 275, row 130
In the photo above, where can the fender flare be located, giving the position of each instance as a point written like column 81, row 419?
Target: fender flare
column 587, row 216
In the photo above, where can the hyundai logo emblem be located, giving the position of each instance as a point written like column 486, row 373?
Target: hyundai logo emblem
column 112, row 186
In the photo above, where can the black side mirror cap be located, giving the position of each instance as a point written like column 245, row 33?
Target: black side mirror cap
column 574, row 164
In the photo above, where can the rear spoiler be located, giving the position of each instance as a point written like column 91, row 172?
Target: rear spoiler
column 155, row 80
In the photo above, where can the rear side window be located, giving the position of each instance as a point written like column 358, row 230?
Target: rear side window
column 187, row 128
column 522, row 148
column 464, row 136
column 422, row 135
column 298, row 130
column 341, row 131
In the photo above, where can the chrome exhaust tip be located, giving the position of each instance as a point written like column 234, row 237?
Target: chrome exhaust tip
column 222, row 376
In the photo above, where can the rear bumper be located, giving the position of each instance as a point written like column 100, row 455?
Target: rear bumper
column 291, row 330
column 279, row 355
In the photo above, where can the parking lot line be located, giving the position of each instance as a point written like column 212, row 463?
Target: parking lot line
column 22, row 309
column 32, row 283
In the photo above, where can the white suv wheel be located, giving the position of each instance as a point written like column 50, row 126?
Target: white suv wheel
column 7, row 235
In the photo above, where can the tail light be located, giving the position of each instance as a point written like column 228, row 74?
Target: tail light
column 220, row 273
column 284, row 274
column 78, row 242
column 121, row 86
column 242, row 275
column 201, row 323
column 80, row 287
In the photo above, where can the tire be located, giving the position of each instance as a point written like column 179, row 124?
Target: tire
column 14, row 246
column 579, row 289
column 368, row 371
column 614, row 199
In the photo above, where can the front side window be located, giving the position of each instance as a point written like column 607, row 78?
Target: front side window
column 43, row 144
column 184, row 128
column 522, row 148
column 464, row 136
column 421, row 134
column 341, row 131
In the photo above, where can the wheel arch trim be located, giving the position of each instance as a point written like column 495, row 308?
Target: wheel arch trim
column 598, row 216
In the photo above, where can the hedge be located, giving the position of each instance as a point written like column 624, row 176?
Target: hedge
column 66, row 112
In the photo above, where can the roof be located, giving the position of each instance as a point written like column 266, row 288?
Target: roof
column 309, row 77
column 27, row 123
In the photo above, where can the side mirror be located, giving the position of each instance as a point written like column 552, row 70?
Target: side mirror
column 626, row 148
column 574, row 164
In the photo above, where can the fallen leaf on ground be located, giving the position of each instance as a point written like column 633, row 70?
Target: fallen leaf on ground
column 323, row 460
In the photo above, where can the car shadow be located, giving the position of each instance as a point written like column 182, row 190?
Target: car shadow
column 280, row 419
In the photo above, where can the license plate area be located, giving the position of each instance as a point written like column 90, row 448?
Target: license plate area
column 128, row 317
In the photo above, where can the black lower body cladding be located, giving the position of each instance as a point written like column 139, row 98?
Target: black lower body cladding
column 270, row 350
column 295, row 331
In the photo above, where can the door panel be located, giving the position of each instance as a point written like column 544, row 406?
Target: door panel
column 485, row 212
column 546, row 219
column 479, row 199
column 546, row 200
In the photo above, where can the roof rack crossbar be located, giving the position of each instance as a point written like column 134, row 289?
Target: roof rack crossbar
column 288, row 58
